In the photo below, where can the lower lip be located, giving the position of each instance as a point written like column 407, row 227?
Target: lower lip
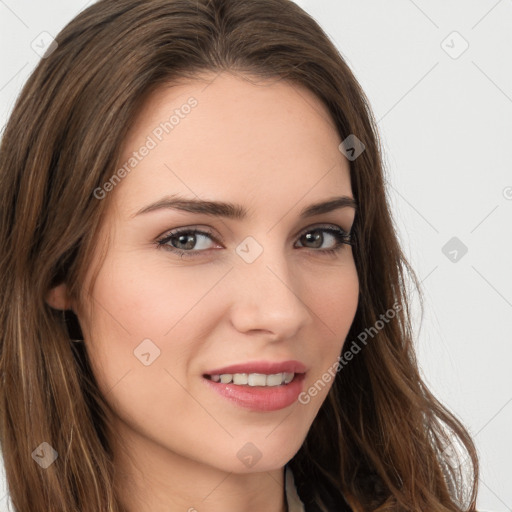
column 261, row 398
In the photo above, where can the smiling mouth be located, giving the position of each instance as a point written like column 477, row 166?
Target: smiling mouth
column 260, row 392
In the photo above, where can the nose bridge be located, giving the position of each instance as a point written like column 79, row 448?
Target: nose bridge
column 268, row 292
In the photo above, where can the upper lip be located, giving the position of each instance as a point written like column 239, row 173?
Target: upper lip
column 267, row 367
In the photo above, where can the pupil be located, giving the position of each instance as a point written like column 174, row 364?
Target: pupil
column 316, row 238
column 188, row 240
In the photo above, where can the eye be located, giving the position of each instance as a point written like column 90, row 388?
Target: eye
column 335, row 239
column 183, row 241
column 189, row 242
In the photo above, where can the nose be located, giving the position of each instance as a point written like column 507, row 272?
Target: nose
column 269, row 297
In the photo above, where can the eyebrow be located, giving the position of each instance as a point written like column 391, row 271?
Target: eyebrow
column 236, row 211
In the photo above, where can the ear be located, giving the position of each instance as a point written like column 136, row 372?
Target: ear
column 58, row 297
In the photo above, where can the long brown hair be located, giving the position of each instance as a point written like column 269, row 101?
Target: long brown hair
column 380, row 440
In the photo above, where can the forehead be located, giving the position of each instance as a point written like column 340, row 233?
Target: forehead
column 225, row 134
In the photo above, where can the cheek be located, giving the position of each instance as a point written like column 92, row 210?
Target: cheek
column 149, row 300
column 146, row 309
column 338, row 301
column 145, row 327
column 333, row 300
column 333, row 297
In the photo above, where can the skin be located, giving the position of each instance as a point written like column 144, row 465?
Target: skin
column 272, row 148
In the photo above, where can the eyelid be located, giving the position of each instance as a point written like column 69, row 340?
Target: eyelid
column 323, row 226
column 193, row 227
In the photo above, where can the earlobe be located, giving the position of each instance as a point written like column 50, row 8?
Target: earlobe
column 58, row 298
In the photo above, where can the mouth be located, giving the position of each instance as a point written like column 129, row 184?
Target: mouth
column 257, row 391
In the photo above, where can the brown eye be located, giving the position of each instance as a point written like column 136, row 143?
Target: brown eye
column 187, row 242
column 316, row 238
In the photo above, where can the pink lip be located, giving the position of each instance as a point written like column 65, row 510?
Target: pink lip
column 267, row 367
column 260, row 398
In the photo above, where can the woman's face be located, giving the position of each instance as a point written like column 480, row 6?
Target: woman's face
column 226, row 290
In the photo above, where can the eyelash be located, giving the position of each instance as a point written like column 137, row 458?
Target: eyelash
column 343, row 238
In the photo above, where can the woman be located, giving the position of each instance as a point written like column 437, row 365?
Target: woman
column 204, row 300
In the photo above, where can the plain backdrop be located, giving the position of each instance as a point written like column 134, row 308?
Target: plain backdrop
column 439, row 79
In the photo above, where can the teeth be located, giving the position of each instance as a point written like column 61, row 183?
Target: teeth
column 257, row 379
column 226, row 378
column 240, row 378
column 275, row 380
column 288, row 377
column 254, row 379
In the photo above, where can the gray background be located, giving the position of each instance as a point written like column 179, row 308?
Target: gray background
column 445, row 116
